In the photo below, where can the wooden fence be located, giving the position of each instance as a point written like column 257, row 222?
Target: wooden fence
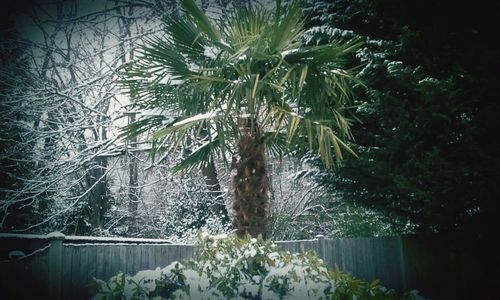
column 61, row 267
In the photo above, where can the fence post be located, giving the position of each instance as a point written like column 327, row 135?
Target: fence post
column 55, row 264
column 321, row 246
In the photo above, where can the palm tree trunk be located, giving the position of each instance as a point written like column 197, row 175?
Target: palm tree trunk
column 250, row 183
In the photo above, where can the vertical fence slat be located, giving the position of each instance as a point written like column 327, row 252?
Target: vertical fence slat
column 372, row 258
column 55, row 264
column 103, row 254
column 151, row 256
column 129, row 265
column 347, row 255
column 157, row 256
column 358, row 258
column 122, row 258
column 83, row 278
column 338, row 257
column 92, row 261
column 166, row 254
column 187, row 251
column 109, row 260
column 402, row 262
column 141, row 259
column 100, row 263
column 169, row 253
column 144, row 258
column 137, row 259
column 75, row 272
column 368, row 258
column 115, row 261
column 173, row 253
column 321, row 246
column 330, row 253
column 67, row 270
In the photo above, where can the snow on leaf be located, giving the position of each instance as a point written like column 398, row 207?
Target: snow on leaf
column 211, row 52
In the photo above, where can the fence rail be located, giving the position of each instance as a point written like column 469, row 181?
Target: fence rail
column 61, row 267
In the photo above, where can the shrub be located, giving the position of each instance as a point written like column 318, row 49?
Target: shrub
column 232, row 268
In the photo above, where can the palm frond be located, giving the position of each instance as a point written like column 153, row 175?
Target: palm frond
column 249, row 61
column 158, row 56
column 151, row 95
column 201, row 21
column 276, row 145
column 294, row 126
column 245, row 28
column 184, row 36
column 199, row 157
column 186, row 123
column 287, row 29
column 333, row 53
column 145, row 125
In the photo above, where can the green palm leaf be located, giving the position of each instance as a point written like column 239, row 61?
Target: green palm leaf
column 250, row 64
column 287, row 30
column 200, row 157
column 201, row 21
column 144, row 125
column 184, row 35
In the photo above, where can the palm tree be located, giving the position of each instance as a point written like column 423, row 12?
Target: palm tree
column 243, row 84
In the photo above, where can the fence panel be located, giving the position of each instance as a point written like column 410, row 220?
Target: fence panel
column 27, row 277
column 426, row 264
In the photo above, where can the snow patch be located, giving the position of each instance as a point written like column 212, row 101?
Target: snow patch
column 211, row 52
column 286, row 52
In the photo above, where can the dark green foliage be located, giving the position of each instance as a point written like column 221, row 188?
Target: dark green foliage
column 426, row 139
column 349, row 287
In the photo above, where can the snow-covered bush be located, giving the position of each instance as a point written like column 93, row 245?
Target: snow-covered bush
column 232, row 268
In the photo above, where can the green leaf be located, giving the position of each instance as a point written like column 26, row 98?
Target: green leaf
column 198, row 158
column 333, row 53
column 201, row 20
column 287, row 29
column 299, row 94
column 184, row 36
column 144, row 125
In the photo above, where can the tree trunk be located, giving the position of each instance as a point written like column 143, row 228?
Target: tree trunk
column 133, row 190
column 250, row 182
column 98, row 195
column 212, row 182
